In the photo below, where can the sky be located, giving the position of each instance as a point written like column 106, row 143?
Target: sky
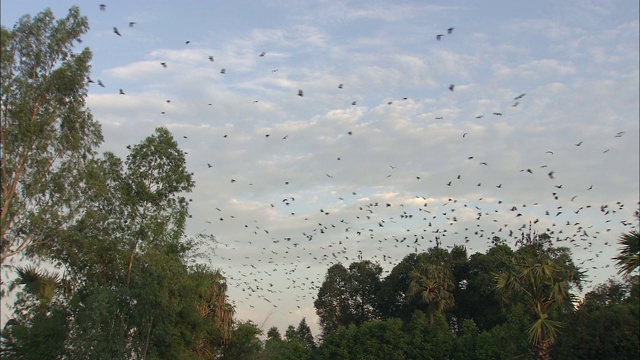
column 524, row 113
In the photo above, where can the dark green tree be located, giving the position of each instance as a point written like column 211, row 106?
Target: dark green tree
column 214, row 309
column 432, row 282
column 507, row 340
column 540, row 277
column 475, row 294
column 393, row 301
column 46, row 134
column 377, row 339
column 277, row 349
column 304, row 335
column 611, row 292
column 333, row 303
column 274, row 334
column 606, row 325
column 127, row 255
column 363, row 289
column 429, row 340
column 291, row 333
column 348, row 296
column 245, row 342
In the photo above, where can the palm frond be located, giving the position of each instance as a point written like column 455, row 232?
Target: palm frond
column 629, row 258
column 40, row 283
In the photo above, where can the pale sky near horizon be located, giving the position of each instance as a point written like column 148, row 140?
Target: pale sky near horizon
column 309, row 170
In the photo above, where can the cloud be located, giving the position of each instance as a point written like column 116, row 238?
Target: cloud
column 580, row 81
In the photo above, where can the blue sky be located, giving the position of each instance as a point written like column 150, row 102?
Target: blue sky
column 575, row 61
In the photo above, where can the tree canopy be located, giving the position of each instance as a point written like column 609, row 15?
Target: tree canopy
column 47, row 135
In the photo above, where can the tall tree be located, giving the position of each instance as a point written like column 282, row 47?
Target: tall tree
column 304, row 335
column 46, row 134
column 348, row 296
column 363, row 290
column 432, row 282
column 126, row 255
column 475, row 293
column 540, row 277
column 214, row 308
column 392, row 298
column 332, row 303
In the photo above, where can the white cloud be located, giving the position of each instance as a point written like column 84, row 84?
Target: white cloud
column 581, row 84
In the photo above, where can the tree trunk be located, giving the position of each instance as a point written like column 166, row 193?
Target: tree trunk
column 543, row 351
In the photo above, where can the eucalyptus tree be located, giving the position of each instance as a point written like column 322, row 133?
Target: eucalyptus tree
column 126, row 256
column 47, row 134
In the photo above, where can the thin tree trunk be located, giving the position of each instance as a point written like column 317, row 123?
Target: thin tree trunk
column 146, row 343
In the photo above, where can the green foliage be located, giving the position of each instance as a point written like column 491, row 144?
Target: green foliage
column 382, row 339
column 40, row 337
column 507, row 340
column 348, row 296
column 540, row 277
column 603, row 329
column 379, row 339
column 466, row 345
column 245, row 343
column 475, row 294
column 339, row 344
column 332, row 303
column 290, row 334
column 389, row 339
column 392, row 297
column 429, row 340
column 629, row 258
column 39, row 283
column 363, row 289
column 274, row 334
column 612, row 292
column 47, row 134
column 40, row 325
column 304, row 335
column 275, row 348
column 130, row 241
column 432, row 282
column 284, row 350
column 127, row 283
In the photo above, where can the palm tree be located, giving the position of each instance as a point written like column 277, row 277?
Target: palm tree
column 218, row 306
column 542, row 283
column 629, row 258
column 433, row 285
column 213, row 306
column 40, row 283
column 40, row 326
